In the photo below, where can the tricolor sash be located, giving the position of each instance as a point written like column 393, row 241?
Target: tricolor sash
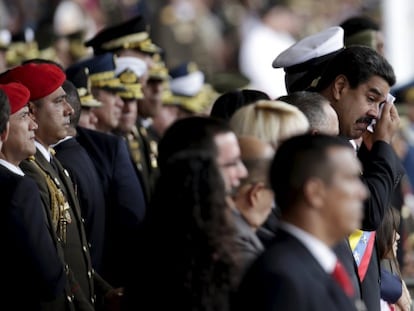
column 362, row 244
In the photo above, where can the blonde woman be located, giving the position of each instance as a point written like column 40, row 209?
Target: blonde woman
column 269, row 120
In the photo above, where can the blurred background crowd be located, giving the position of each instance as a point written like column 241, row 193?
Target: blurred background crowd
column 233, row 42
column 214, row 34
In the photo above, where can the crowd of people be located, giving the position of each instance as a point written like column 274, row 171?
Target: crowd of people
column 130, row 183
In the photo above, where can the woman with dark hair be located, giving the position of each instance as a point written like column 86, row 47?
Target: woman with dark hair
column 190, row 261
column 394, row 293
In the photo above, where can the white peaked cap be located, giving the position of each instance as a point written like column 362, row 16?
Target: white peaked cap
column 311, row 47
column 188, row 85
column 138, row 66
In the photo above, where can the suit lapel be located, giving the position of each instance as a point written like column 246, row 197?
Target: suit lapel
column 44, row 164
column 61, row 178
column 335, row 292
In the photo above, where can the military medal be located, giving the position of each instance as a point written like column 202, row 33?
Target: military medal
column 66, row 213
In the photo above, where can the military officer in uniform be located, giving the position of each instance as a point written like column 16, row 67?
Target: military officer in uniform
column 189, row 90
column 31, row 253
column 320, row 63
column 104, row 87
column 132, row 72
column 132, row 39
column 61, row 206
column 88, row 184
column 155, row 91
column 124, row 197
column 87, row 117
column 186, row 94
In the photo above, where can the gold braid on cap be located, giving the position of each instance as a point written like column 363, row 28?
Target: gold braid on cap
column 125, row 41
column 128, row 77
column 114, row 83
column 132, row 86
column 194, row 104
column 132, row 91
column 89, row 101
column 146, row 46
column 104, row 79
column 59, row 207
column 105, row 75
column 159, row 71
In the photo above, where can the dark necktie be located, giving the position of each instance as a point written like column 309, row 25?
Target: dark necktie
column 341, row 276
column 53, row 164
column 52, row 159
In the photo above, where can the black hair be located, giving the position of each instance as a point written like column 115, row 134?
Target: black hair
column 385, row 233
column 189, row 221
column 72, row 97
column 311, row 104
column 299, row 159
column 192, row 133
column 358, row 64
column 227, row 103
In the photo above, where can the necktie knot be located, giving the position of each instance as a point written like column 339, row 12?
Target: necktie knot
column 342, row 278
column 53, row 163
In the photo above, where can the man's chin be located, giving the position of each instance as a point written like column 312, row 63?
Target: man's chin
column 357, row 133
column 30, row 153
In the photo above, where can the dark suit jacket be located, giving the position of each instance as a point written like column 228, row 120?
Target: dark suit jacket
column 382, row 171
column 287, row 277
column 33, row 271
column 75, row 251
column 90, row 192
column 125, row 201
column 246, row 241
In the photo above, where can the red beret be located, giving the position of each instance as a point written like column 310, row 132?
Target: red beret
column 18, row 95
column 41, row 79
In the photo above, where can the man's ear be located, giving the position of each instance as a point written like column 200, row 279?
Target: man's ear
column 339, row 84
column 5, row 134
column 314, row 192
column 32, row 108
column 254, row 192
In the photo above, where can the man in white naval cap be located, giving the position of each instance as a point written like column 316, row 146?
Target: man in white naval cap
column 304, row 61
column 356, row 82
column 133, row 74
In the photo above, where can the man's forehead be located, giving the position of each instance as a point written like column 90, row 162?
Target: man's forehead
column 227, row 145
column 225, row 138
column 19, row 112
column 377, row 85
column 59, row 92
